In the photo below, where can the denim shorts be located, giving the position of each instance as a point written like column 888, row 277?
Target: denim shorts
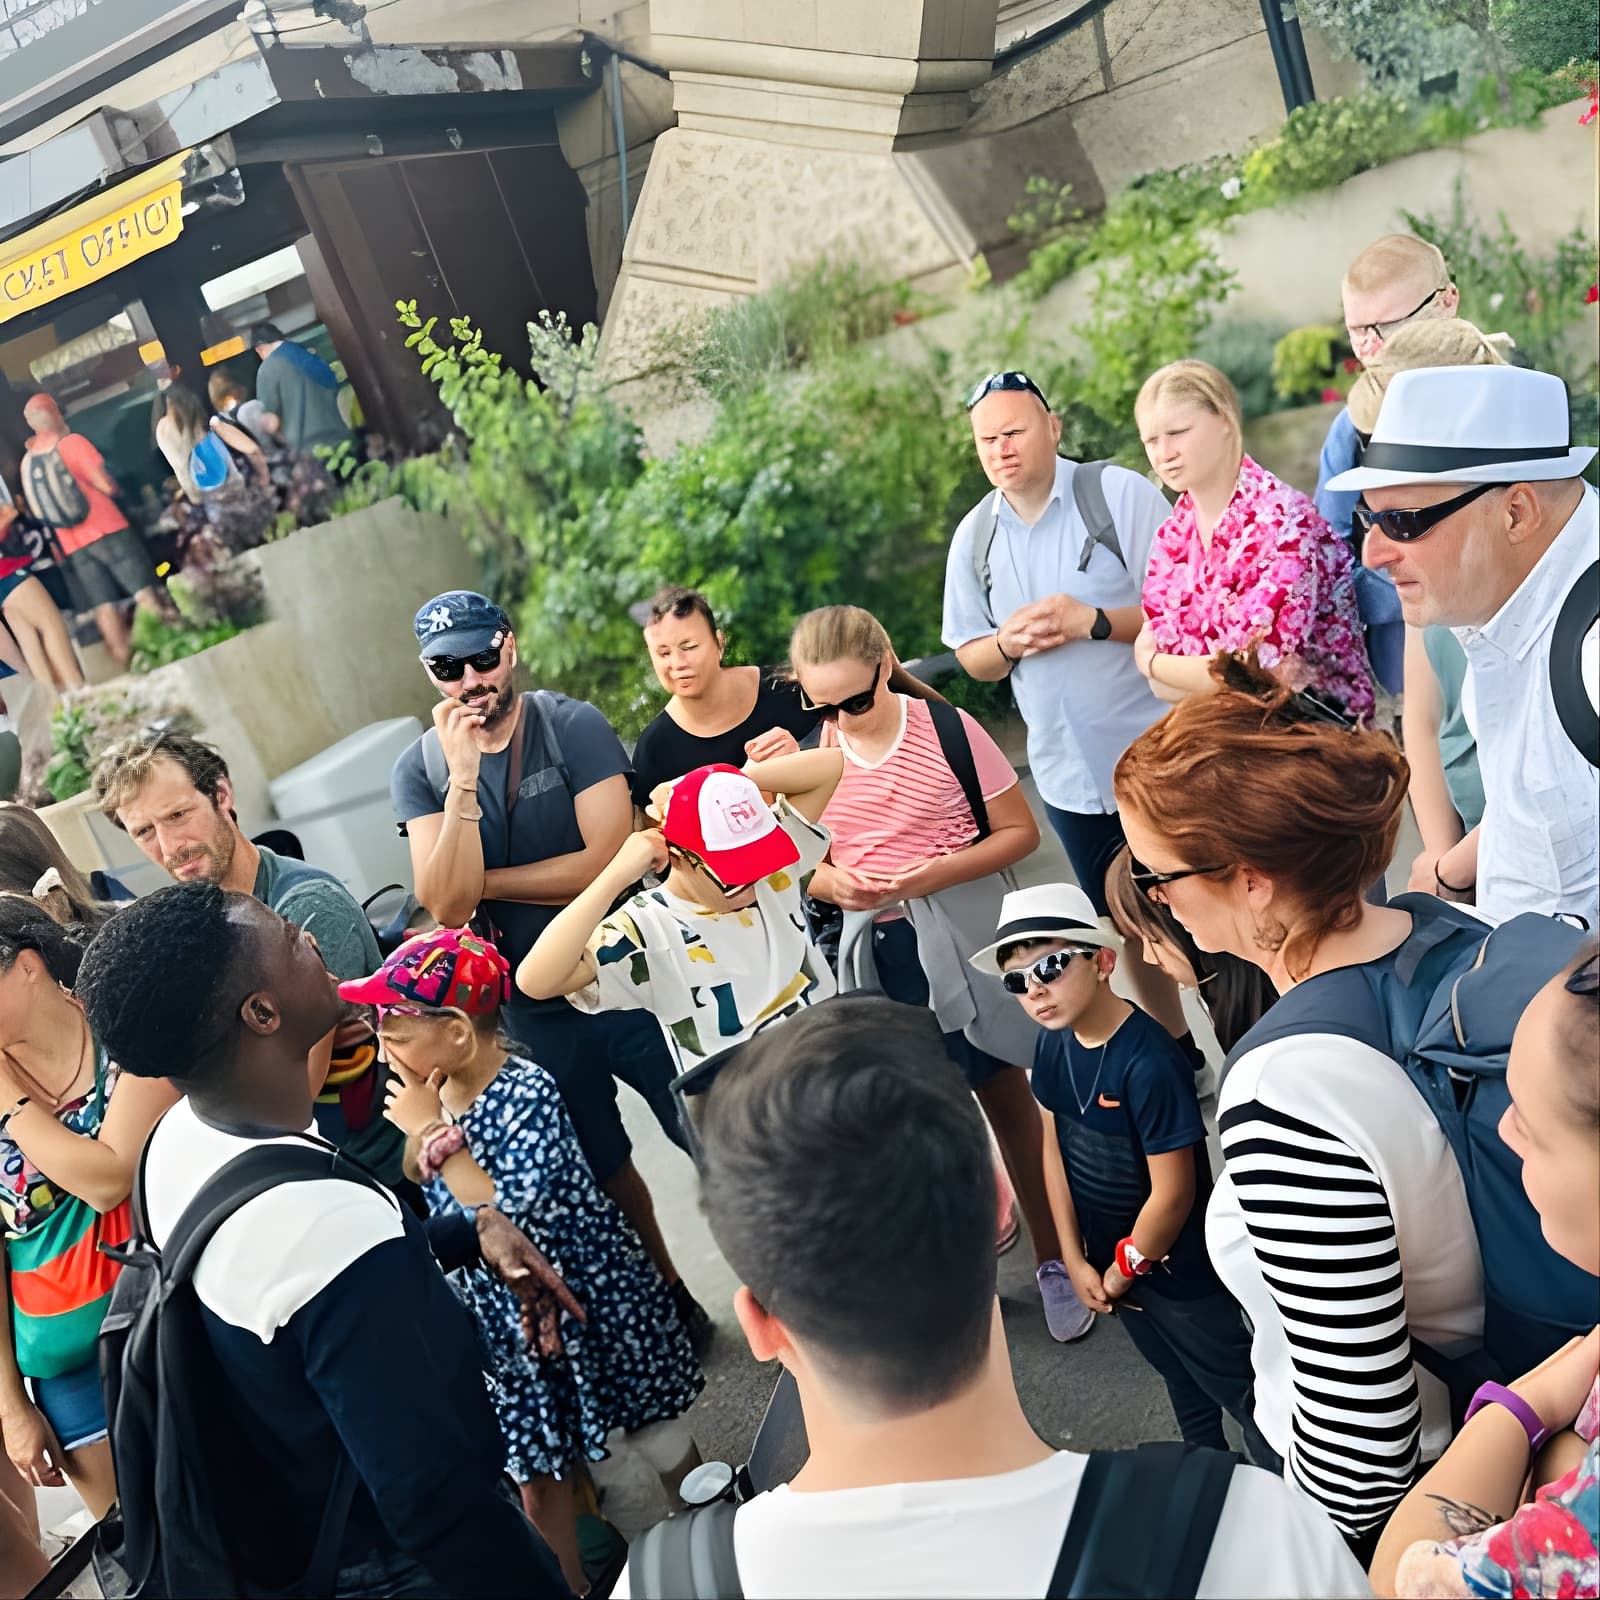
column 74, row 1405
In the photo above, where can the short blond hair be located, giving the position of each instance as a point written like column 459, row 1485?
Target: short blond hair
column 1396, row 258
column 1442, row 342
column 1196, row 381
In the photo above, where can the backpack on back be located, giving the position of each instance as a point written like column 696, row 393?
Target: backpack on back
column 211, row 464
column 54, row 496
column 1142, row 1524
column 1444, row 1008
column 189, row 1492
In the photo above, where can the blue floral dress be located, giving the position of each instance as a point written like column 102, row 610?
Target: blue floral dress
column 630, row 1363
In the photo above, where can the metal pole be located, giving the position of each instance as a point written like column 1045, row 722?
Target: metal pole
column 1295, row 40
column 1272, row 15
column 622, row 141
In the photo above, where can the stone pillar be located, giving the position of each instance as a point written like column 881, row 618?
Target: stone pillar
column 796, row 123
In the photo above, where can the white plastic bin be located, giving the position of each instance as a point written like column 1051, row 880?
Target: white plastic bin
column 337, row 805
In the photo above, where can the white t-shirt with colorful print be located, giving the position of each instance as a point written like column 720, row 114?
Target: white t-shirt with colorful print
column 712, row 979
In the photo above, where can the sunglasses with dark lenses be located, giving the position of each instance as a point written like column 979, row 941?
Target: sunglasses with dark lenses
column 1148, row 879
column 1007, row 383
column 1406, row 527
column 451, row 669
column 1043, row 972
column 855, row 705
column 691, row 859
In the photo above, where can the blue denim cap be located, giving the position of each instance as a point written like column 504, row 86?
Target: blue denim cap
column 460, row 623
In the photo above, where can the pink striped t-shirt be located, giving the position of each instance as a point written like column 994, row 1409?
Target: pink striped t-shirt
column 907, row 808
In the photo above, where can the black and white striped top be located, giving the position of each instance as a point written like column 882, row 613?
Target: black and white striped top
column 1341, row 1225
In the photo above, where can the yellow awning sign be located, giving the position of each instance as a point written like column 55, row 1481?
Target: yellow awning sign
column 92, row 240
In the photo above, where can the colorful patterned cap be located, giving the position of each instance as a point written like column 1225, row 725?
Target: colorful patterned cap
column 450, row 967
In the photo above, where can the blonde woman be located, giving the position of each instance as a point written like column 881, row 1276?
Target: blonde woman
column 1244, row 561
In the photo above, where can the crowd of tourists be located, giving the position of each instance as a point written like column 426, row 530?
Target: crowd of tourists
column 330, row 1270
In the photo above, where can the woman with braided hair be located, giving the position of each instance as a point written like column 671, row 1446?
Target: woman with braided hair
column 68, row 1149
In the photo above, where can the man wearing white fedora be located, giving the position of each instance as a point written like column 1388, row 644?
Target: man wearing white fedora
column 1473, row 504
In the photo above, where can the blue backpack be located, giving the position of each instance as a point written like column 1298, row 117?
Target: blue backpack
column 211, row 464
column 1444, row 1005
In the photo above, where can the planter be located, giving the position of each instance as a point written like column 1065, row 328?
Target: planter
column 1289, row 443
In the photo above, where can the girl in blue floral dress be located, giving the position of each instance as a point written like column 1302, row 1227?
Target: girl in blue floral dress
column 486, row 1127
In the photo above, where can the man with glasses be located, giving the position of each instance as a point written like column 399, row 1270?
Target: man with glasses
column 1042, row 586
column 513, row 806
column 1472, row 504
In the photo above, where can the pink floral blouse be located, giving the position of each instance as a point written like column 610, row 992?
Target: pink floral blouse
column 1276, row 576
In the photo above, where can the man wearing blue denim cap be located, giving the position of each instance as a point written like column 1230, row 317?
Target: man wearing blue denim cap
column 513, row 804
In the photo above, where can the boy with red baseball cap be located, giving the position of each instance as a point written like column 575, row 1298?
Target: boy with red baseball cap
column 722, row 948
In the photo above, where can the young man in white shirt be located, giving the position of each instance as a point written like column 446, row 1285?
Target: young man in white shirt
column 1473, row 504
column 850, row 1188
column 1031, row 593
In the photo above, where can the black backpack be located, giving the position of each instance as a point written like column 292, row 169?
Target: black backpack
column 192, row 1502
column 54, row 496
column 1142, row 1524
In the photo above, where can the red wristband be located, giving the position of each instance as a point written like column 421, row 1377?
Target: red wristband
column 1127, row 1266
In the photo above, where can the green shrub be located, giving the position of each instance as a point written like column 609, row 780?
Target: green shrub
column 1309, row 362
column 1328, row 142
column 1244, row 351
column 1547, row 34
column 158, row 643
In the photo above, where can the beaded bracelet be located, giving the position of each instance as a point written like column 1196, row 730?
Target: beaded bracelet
column 437, row 1146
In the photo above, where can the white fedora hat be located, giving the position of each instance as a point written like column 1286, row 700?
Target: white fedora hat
column 1048, row 911
column 1469, row 425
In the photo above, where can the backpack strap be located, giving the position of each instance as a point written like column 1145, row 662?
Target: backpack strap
column 1143, row 1522
column 957, row 750
column 1089, row 495
column 982, row 544
column 687, row 1557
column 1579, row 613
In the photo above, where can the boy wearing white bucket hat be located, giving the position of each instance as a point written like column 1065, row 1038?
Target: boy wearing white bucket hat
column 1472, row 502
column 1125, row 1164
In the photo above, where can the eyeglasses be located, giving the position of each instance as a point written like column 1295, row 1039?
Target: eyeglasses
column 1149, row 880
column 1044, row 971
column 689, row 857
column 1007, row 383
column 450, row 669
column 1382, row 330
column 1407, row 526
column 1586, row 980
column 854, row 705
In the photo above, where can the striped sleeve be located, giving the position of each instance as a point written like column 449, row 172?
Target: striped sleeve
column 1320, row 1223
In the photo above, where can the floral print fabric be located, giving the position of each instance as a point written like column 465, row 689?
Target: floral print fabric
column 630, row 1363
column 1275, row 577
column 1547, row 1548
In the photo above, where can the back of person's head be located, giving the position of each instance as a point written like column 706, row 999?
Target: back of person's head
column 125, row 766
column 265, row 333
column 1245, row 779
column 42, row 414
column 837, row 633
column 224, row 390
column 1579, row 1035
column 1397, row 258
column 846, row 1177
column 29, row 855
column 155, row 979
column 189, row 417
column 26, row 925
column 1439, row 342
column 1198, row 383
column 1235, row 993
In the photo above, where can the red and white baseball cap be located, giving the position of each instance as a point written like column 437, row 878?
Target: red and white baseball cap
column 718, row 814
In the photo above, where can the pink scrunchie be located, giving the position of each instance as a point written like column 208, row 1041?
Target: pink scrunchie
column 437, row 1148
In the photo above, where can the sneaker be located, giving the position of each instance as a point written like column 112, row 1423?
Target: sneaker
column 695, row 1318
column 1065, row 1315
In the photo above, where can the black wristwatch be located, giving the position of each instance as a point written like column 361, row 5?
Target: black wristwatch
column 1101, row 626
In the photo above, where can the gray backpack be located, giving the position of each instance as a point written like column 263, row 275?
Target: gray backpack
column 1089, row 495
column 54, row 496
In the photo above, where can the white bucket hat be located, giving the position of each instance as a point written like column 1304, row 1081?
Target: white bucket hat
column 1480, row 424
column 1047, row 911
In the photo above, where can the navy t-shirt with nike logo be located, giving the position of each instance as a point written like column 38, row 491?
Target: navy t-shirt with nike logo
column 1115, row 1107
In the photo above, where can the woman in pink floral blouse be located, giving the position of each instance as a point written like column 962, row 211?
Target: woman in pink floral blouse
column 1244, row 561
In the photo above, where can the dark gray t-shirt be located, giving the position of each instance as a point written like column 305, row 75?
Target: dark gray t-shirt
column 545, row 822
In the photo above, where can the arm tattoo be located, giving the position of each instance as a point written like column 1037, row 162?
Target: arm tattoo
column 1463, row 1518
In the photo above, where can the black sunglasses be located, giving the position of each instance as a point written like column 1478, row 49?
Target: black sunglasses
column 1586, row 980
column 693, row 860
column 1043, row 972
column 1406, row 527
column 1007, row 383
column 451, row 669
column 852, row 706
column 1382, row 330
column 1150, row 880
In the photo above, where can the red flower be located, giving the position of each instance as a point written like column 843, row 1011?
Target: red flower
column 1590, row 111
column 1593, row 295
column 1331, row 396
column 1351, row 364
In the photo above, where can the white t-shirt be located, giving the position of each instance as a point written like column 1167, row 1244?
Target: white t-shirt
column 1001, row 1536
column 276, row 1253
column 714, row 978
